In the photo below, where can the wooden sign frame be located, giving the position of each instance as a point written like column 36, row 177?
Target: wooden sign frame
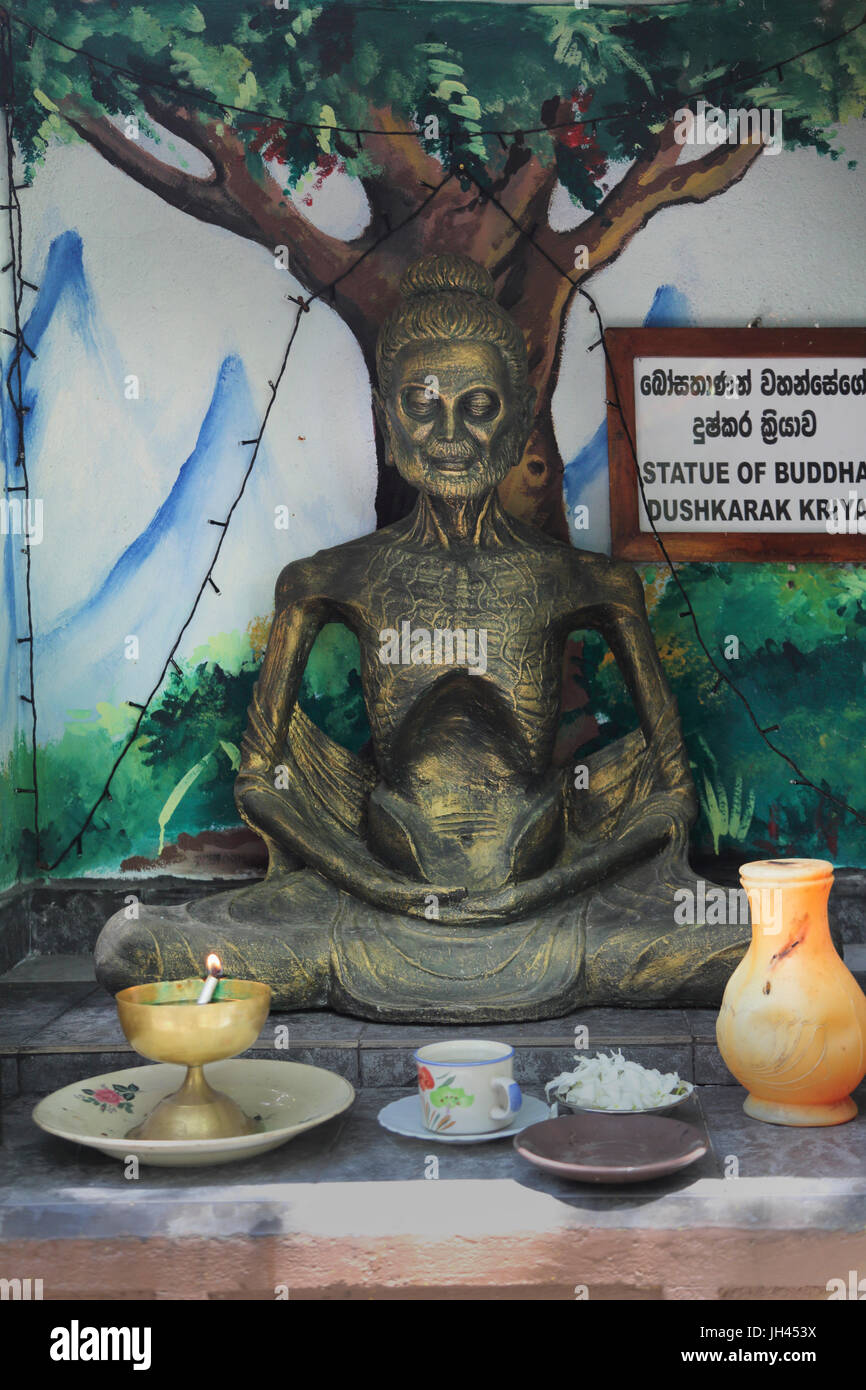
column 627, row 540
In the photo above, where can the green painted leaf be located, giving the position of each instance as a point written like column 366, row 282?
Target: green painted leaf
column 178, row 794
column 232, row 752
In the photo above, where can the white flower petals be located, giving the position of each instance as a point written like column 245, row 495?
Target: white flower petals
column 608, row 1081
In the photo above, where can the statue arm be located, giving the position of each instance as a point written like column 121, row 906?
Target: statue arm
column 297, row 619
column 340, row 856
column 625, row 625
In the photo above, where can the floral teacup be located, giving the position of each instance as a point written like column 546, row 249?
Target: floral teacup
column 467, row 1086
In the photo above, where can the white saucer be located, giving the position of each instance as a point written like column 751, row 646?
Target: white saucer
column 404, row 1117
column 287, row 1098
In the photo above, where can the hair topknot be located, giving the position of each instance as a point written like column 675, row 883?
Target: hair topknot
column 448, row 297
column 446, row 272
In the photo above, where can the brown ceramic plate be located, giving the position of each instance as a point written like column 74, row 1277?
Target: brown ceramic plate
column 611, row 1148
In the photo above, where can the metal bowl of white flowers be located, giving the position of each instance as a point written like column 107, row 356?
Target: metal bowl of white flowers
column 609, row 1084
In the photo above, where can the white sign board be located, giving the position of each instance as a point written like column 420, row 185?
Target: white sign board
column 751, row 444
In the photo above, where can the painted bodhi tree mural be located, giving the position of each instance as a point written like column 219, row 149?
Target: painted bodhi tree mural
column 295, row 80
column 444, row 77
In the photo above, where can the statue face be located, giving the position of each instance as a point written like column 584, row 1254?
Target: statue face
column 454, row 422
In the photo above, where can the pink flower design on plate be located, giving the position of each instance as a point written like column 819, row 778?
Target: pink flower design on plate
column 120, row 1096
column 107, row 1097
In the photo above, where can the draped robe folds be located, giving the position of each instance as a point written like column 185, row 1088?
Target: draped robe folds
column 319, row 945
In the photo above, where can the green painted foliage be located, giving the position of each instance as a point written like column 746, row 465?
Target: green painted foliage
column 16, row 813
column 331, row 691
column 475, row 66
column 801, row 663
column 197, row 724
column 179, row 774
column 794, row 668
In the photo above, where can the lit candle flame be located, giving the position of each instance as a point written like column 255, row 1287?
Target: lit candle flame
column 214, row 972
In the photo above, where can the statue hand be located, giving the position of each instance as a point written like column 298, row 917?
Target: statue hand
column 335, row 852
column 652, row 825
column 665, row 815
column 342, row 857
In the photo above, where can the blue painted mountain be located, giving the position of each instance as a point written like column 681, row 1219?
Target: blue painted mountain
column 148, row 593
column 60, row 285
column 12, row 606
column 10, row 685
column 74, row 430
column 585, row 478
column 128, row 543
column 146, row 590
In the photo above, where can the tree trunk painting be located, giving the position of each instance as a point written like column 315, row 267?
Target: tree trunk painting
column 532, row 265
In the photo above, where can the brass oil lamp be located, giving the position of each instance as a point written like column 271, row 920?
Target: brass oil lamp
column 166, row 1022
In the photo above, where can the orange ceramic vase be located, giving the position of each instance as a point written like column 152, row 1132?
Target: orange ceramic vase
column 792, row 1026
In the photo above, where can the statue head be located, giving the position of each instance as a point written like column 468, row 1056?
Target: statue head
column 454, row 401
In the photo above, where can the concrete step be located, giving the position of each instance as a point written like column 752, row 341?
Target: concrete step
column 349, row 1206
column 58, row 1026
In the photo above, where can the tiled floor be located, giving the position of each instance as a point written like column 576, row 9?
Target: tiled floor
column 58, row 1026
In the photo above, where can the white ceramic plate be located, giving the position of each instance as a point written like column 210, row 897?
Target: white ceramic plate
column 404, row 1117
column 650, row 1110
column 289, row 1097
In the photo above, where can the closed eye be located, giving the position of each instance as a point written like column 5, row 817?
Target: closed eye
column 420, row 403
column 480, row 405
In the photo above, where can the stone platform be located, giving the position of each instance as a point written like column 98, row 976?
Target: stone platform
column 57, row 1025
column 351, row 1211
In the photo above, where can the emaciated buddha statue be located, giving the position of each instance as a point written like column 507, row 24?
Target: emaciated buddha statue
column 451, row 872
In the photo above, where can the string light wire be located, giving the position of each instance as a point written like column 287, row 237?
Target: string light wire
column 15, row 392
column 802, row 780
column 302, row 306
